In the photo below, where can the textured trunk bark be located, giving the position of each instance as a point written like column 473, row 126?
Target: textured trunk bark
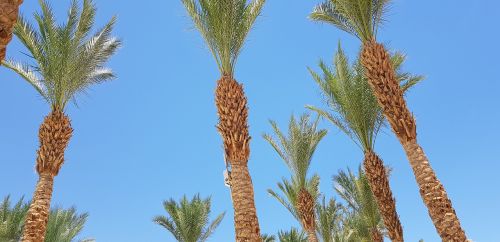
column 376, row 236
column 233, row 126
column 305, row 209
column 9, row 10
column 434, row 195
column 381, row 76
column 379, row 183
column 245, row 215
column 54, row 135
column 38, row 213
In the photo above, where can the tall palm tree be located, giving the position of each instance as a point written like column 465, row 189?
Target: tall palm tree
column 63, row 225
column 67, row 62
column 188, row 221
column 9, row 10
column 363, row 217
column 354, row 109
column 297, row 151
column 294, row 235
column 224, row 24
column 362, row 18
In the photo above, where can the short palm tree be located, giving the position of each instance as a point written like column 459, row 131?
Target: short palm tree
column 353, row 108
column 9, row 10
column 294, row 235
column 224, row 24
column 63, row 224
column 363, row 217
column 188, row 221
column 297, row 151
column 67, row 62
column 12, row 219
column 362, row 18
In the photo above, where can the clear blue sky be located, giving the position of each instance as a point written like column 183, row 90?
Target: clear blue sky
column 150, row 135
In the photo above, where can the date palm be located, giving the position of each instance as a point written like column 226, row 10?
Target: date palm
column 362, row 19
column 330, row 217
column 363, row 217
column 66, row 62
column 9, row 10
column 63, row 225
column 297, row 151
column 268, row 238
column 353, row 108
column 188, row 221
column 224, row 24
column 294, row 235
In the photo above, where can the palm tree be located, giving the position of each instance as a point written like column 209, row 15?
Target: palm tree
column 356, row 112
column 362, row 18
column 294, row 235
column 297, row 151
column 268, row 238
column 363, row 217
column 12, row 219
column 68, row 61
column 9, row 10
column 188, row 221
column 224, row 24
column 63, row 225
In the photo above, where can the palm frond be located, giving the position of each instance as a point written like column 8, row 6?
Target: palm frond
column 360, row 18
column 224, row 24
column 294, row 235
column 67, row 60
column 297, row 149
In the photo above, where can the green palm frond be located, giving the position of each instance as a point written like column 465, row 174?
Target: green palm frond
column 268, row 238
column 294, row 235
column 360, row 18
column 65, row 225
column 297, row 149
column 12, row 219
column 224, row 24
column 363, row 215
column 188, row 221
column 352, row 105
column 67, row 60
column 329, row 220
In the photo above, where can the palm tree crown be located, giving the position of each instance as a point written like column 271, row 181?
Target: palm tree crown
column 298, row 148
column 348, row 94
column 224, row 24
column 67, row 59
column 294, row 235
column 12, row 219
column 360, row 18
column 188, row 221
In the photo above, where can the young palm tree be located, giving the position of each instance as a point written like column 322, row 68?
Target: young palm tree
column 63, row 225
column 294, row 235
column 9, row 10
column 362, row 18
column 224, row 24
column 356, row 112
column 297, row 151
column 12, row 219
column 188, row 221
column 67, row 62
column 363, row 218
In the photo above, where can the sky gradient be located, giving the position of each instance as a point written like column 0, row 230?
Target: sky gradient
column 150, row 134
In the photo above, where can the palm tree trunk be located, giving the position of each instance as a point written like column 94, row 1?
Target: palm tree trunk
column 305, row 209
column 376, row 235
column 54, row 135
column 379, row 183
column 233, row 126
column 38, row 213
column 9, row 10
column 381, row 76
